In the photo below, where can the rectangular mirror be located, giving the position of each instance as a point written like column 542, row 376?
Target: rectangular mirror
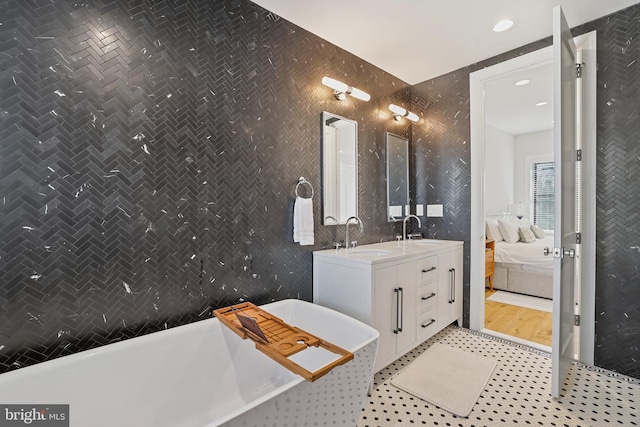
column 339, row 169
column 397, row 177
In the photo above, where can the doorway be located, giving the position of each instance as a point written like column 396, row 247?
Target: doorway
column 519, row 192
column 478, row 82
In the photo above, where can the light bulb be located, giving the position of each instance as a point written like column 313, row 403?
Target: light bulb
column 398, row 110
column 412, row 116
column 357, row 93
column 342, row 88
column 335, row 84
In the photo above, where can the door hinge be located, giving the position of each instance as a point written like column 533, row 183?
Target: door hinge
column 578, row 237
column 579, row 155
column 576, row 320
column 579, row 70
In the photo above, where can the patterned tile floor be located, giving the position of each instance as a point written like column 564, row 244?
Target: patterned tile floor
column 518, row 392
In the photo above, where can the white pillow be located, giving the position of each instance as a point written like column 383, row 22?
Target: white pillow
column 509, row 229
column 493, row 231
column 538, row 231
column 526, row 235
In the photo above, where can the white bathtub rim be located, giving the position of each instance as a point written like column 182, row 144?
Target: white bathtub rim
column 65, row 361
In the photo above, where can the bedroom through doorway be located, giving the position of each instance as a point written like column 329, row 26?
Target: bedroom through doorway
column 584, row 312
column 519, row 204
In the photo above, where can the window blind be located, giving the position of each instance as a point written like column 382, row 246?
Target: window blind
column 543, row 194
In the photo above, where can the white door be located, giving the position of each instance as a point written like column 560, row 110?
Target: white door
column 565, row 75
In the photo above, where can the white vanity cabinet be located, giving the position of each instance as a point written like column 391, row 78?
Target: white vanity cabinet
column 450, row 288
column 394, row 311
column 407, row 291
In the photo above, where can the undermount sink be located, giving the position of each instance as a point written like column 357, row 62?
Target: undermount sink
column 370, row 252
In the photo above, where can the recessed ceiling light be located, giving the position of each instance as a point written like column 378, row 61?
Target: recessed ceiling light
column 541, row 104
column 522, row 82
column 503, row 25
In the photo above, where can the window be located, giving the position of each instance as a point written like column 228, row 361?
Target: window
column 543, row 194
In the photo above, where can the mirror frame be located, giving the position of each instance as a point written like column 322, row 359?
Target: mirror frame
column 404, row 207
column 324, row 117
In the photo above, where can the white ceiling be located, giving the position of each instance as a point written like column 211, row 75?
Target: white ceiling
column 513, row 108
column 416, row 40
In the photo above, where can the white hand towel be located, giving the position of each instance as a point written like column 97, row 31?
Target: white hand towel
column 303, row 221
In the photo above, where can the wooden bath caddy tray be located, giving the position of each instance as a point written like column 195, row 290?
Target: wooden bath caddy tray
column 277, row 339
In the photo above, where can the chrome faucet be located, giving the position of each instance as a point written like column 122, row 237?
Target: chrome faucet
column 404, row 225
column 346, row 224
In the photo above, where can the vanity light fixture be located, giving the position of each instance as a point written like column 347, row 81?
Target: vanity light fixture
column 399, row 113
column 341, row 89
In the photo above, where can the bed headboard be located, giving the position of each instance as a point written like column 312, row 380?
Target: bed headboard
column 498, row 215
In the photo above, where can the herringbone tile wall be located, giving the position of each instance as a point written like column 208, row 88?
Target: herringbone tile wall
column 149, row 155
column 442, row 164
column 618, row 192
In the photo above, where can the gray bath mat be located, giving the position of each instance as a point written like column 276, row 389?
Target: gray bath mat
column 448, row 377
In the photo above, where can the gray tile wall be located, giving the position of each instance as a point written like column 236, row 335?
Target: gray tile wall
column 149, row 152
column 618, row 191
column 442, row 162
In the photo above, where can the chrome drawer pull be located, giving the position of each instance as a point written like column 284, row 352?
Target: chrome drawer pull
column 401, row 308
column 397, row 329
column 426, row 271
column 452, row 285
column 427, row 297
column 431, row 322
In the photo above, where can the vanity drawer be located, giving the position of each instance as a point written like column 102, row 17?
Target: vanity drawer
column 427, row 324
column 426, row 296
column 427, row 269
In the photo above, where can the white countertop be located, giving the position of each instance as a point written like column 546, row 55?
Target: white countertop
column 388, row 251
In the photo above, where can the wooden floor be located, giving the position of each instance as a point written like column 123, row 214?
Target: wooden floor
column 521, row 322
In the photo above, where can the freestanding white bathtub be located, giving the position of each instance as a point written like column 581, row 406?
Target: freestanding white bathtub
column 203, row 374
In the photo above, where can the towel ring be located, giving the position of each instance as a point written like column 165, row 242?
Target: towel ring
column 301, row 181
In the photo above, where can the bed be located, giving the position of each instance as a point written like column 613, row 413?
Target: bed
column 522, row 267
